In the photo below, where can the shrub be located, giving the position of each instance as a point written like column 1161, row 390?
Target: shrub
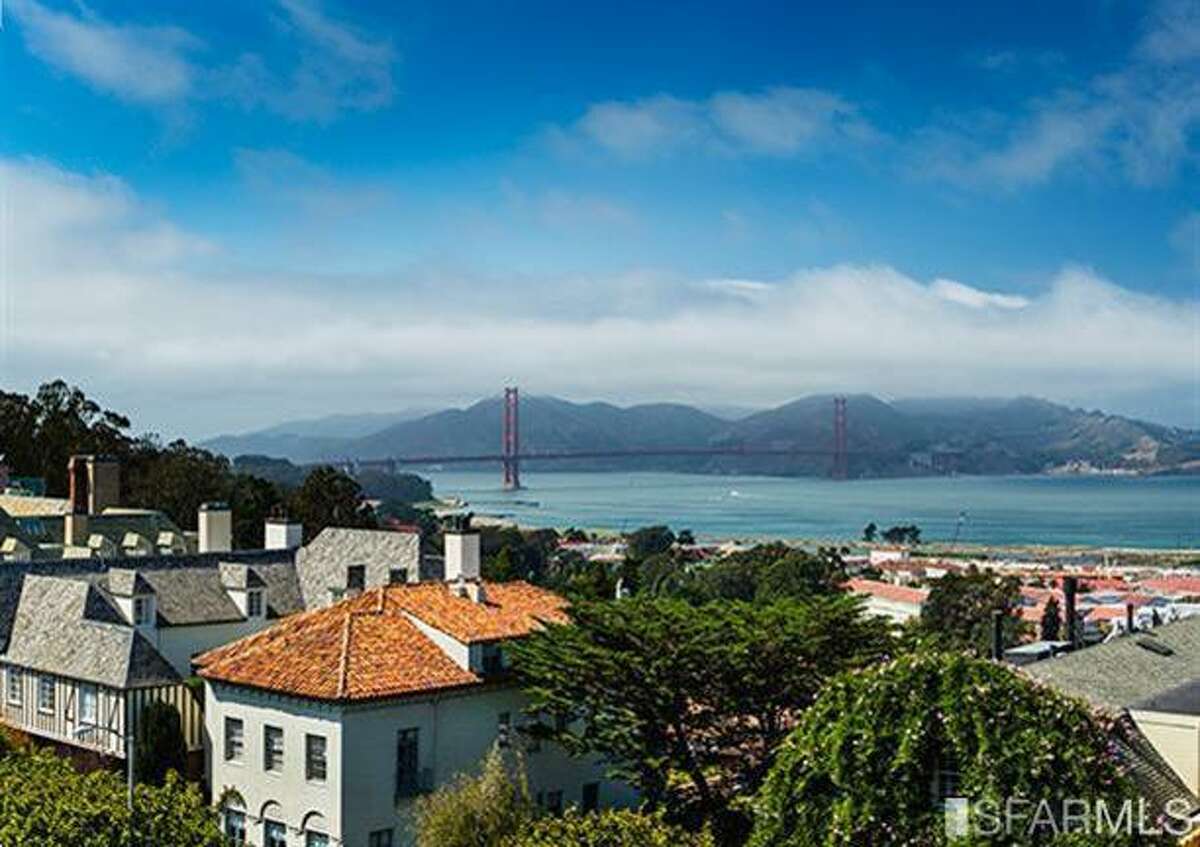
column 476, row 810
column 613, row 828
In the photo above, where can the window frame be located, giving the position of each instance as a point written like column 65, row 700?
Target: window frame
column 227, row 740
column 142, row 611
column 43, row 681
column 381, row 837
column 271, row 762
column 410, row 738
column 356, row 584
column 239, row 835
column 86, row 688
column 311, row 837
column 268, row 825
column 254, row 604
column 310, row 760
column 15, row 676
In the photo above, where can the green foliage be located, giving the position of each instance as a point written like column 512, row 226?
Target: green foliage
column 44, row 802
column 329, row 498
column 665, row 690
column 476, row 810
column 958, row 612
column 161, row 747
column 510, row 553
column 612, row 828
column 870, row 532
column 575, row 577
column 907, row 534
column 764, row 573
column 861, row 766
column 648, row 541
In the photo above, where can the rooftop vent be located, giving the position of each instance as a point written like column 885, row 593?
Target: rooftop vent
column 1155, row 646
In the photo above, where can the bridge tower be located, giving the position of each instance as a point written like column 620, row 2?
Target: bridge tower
column 841, row 458
column 511, row 440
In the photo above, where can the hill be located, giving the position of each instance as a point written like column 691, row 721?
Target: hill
column 903, row 437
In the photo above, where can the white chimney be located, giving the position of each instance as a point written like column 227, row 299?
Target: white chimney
column 282, row 534
column 216, row 528
column 462, row 556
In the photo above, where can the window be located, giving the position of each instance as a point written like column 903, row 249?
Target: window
column 356, row 577
column 235, row 826
column 503, row 728
column 89, row 701
column 398, row 576
column 141, row 611
column 314, row 758
column 16, row 687
column 493, row 658
column 272, row 748
column 550, row 801
column 591, row 797
column 254, row 604
column 316, row 839
column 46, row 694
column 380, row 838
column 407, row 761
column 274, row 834
column 235, row 739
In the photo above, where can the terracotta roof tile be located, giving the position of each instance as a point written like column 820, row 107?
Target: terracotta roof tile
column 368, row 647
column 887, row 591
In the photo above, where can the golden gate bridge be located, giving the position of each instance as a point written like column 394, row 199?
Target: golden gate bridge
column 511, row 454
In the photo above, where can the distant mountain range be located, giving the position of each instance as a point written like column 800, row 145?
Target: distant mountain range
column 903, row 437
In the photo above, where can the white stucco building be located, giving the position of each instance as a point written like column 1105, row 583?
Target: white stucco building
column 326, row 727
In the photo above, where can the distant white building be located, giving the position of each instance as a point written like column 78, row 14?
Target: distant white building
column 897, row 602
column 324, row 728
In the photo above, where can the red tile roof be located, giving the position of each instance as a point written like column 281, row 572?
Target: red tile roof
column 368, row 647
column 887, row 591
column 1187, row 585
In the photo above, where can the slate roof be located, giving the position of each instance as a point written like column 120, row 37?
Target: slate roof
column 28, row 506
column 67, row 627
column 274, row 566
column 123, row 582
column 1122, row 672
column 238, row 576
column 1180, row 700
column 368, row 647
column 321, row 564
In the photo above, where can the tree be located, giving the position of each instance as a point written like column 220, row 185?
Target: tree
column 329, row 498
column 648, row 541
column 764, row 573
column 686, row 537
column 476, row 810
column 869, row 762
column 870, row 532
column 161, row 747
column 45, row 801
column 663, row 689
column 252, row 501
column 958, row 612
column 908, row 534
column 1051, row 625
column 611, row 828
column 580, row 579
column 177, row 480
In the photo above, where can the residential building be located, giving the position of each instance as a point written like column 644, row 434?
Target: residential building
column 328, row 725
column 897, row 602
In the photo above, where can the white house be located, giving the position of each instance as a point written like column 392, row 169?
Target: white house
column 324, row 728
column 897, row 602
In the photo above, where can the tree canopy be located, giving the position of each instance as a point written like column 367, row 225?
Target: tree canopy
column 668, row 692
column 45, row 801
column 959, row 611
column 476, row 809
column 868, row 762
column 611, row 828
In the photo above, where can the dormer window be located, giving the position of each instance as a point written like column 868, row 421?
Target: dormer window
column 143, row 611
column 254, row 604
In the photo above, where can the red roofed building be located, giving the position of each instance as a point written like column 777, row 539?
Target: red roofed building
column 329, row 724
column 897, row 602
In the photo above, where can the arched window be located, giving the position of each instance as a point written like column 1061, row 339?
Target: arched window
column 316, row 833
column 273, row 828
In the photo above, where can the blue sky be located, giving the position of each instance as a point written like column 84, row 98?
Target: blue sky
column 255, row 211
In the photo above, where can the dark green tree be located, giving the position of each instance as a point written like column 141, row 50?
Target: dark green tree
column 478, row 809
column 329, row 498
column 252, row 500
column 958, row 612
column 663, row 689
column 1051, row 624
column 176, row 480
column 648, row 541
column 161, row 747
column 870, row 532
column 870, row 762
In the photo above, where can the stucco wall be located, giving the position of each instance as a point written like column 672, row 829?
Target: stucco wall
column 1177, row 739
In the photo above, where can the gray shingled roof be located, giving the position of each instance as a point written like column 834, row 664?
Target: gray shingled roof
column 1122, row 672
column 1180, row 700
column 123, row 582
column 275, row 567
column 322, row 564
column 66, row 627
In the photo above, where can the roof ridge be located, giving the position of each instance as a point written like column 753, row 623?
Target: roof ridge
column 344, row 664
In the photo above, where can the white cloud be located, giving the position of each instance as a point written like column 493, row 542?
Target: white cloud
column 781, row 121
column 1139, row 121
column 965, row 295
column 197, row 352
column 327, row 67
column 138, row 63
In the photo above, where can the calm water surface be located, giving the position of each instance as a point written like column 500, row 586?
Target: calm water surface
column 1112, row 511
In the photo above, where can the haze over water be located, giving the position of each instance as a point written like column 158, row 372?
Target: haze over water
column 1162, row 512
